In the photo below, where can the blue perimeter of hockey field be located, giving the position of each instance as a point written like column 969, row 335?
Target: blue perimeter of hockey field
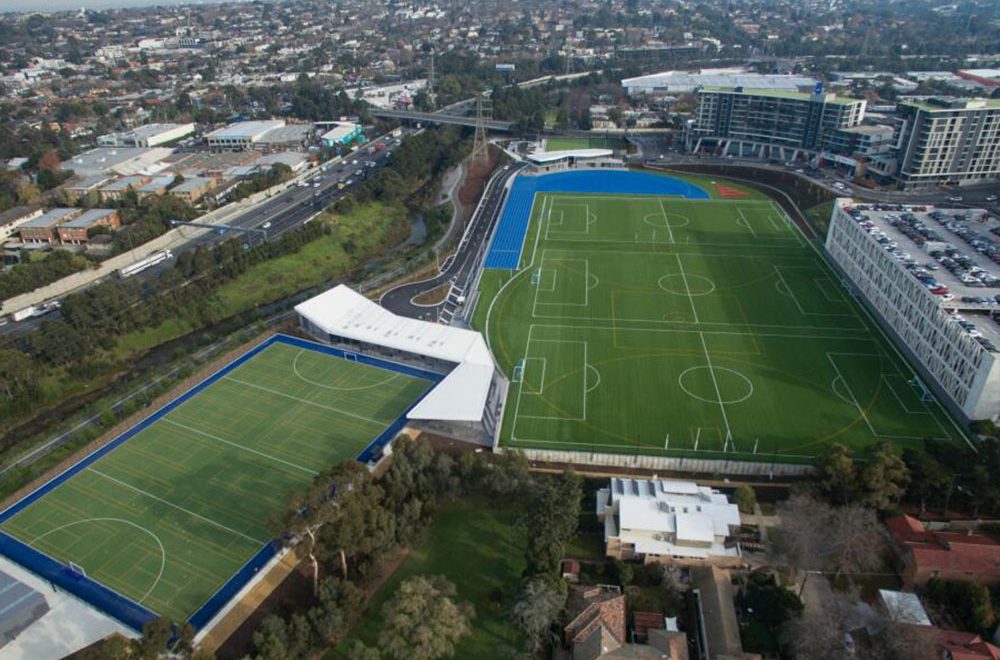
column 125, row 609
column 508, row 239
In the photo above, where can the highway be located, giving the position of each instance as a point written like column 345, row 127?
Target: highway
column 280, row 213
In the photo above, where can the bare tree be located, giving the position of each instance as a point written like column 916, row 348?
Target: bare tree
column 821, row 633
column 816, row 537
column 857, row 540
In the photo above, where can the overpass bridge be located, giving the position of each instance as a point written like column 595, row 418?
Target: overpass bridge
column 436, row 118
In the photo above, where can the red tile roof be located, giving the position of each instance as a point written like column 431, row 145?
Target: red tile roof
column 945, row 551
column 966, row 646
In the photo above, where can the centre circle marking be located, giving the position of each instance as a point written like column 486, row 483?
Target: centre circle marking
column 668, row 220
column 717, row 371
column 697, row 285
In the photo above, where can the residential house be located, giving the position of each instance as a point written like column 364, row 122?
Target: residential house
column 926, row 554
column 43, row 228
column 13, row 218
column 595, row 620
column 77, row 231
column 155, row 186
column 955, row 645
column 117, row 188
column 669, row 522
column 193, row 189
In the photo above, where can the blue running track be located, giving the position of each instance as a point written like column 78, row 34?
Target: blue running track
column 508, row 241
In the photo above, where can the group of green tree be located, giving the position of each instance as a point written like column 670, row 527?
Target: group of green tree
column 255, row 183
column 411, row 173
column 347, row 525
column 93, row 319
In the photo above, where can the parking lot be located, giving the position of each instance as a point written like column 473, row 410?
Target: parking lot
column 954, row 253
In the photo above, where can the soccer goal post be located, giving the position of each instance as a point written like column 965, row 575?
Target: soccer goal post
column 76, row 569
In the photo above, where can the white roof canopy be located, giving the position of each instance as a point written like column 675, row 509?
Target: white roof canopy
column 542, row 157
column 460, row 396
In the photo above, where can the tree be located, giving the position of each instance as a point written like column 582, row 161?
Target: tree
column 771, row 604
column 551, row 521
column 17, row 375
column 424, row 620
column 929, row 477
column 309, row 511
column 820, row 631
column 839, row 480
column 536, row 608
column 857, row 540
column 155, row 635
column 883, row 478
column 801, row 537
column 357, row 650
column 746, row 499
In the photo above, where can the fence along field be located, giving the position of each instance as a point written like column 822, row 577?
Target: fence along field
column 168, row 516
column 700, row 328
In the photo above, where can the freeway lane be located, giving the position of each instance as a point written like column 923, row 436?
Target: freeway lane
column 283, row 212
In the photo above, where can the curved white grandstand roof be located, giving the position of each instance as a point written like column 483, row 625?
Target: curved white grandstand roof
column 460, row 396
column 542, row 157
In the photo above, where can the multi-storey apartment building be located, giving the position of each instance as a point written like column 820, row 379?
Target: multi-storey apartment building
column 947, row 141
column 768, row 123
column 959, row 367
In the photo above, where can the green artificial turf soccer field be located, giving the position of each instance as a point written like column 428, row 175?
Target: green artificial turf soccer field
column 166, row 518
column 708, row 328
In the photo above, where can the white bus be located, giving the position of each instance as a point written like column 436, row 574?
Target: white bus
column 143, row 264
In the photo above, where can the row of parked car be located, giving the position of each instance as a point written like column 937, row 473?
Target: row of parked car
column 974, row 332
column 959, row 225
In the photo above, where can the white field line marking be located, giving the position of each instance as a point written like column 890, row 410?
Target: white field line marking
column 295, row 369
column 520, row 384
column 796, row 256
column 902, row 404
column 239, row 446
column 876, row 328
column 541, row 382
column 791, row 294
column 175, row 506
column 687, row 288
column 776, row 242
column 826, row 294
column 680, row 201
column 718, row 392
column 746, row 222
column 753, row 332
column 163, row 552
column 850, row 393
column 305, row 401
column 666, row 222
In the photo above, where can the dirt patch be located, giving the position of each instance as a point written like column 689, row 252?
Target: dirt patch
column 434, row 296
column 293, row 594
column 249, row 604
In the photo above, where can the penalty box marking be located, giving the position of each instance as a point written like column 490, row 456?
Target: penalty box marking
column 583, row 371
column 791, row 294
column 586, row 283
column 857, row 403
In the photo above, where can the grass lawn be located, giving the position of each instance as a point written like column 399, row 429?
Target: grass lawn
column 477, row 546
column 600, row 142
column 363, row 231
column 707, row 328
column 170, row 514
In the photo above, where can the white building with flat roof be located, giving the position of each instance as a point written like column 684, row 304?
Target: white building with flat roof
column 466, row 403
column 148, row 135
column 686, row 82
column 242, row 135
column 668, row 521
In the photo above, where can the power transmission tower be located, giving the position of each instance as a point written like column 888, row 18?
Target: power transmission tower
column 480, row 147
column 430, row 85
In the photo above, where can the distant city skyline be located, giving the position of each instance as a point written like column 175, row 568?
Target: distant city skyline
column 7, row 6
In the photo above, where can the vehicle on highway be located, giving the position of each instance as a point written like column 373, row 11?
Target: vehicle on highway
column 991, row 198
column 955, row 198
column 341, row 185
column 35, row 310
column 316, row 185
column 266, row 225
column 143, row 264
